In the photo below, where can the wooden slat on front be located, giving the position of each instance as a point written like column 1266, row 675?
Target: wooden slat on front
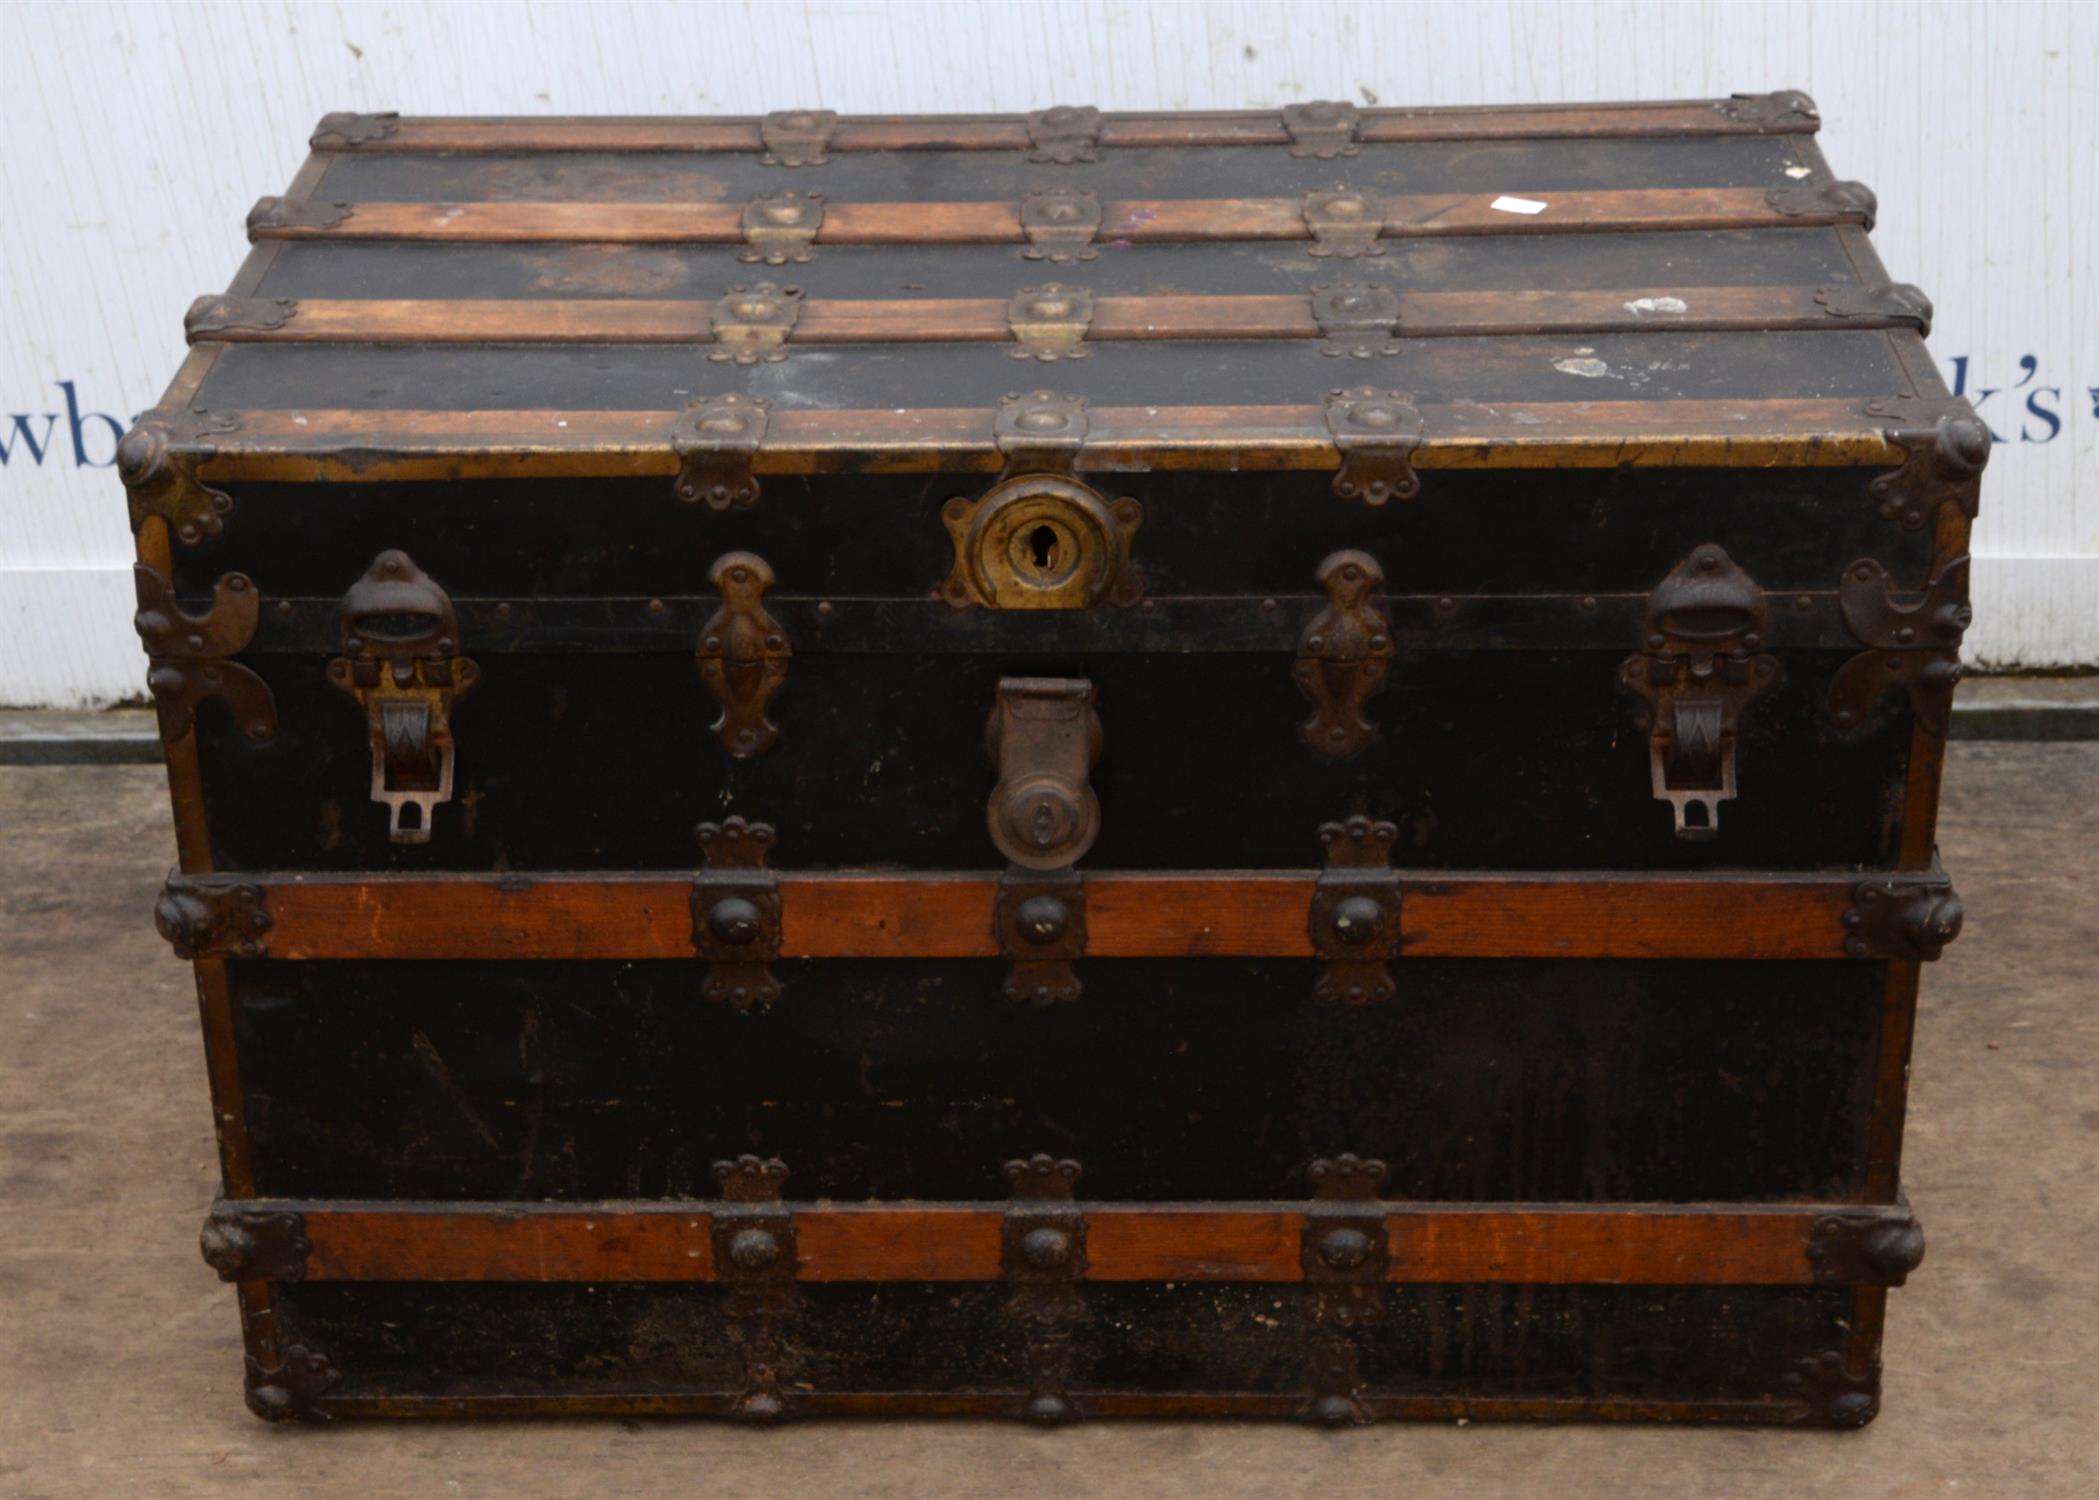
column 1564, row 1244
column 401, row 444
column 1129, row 914
column 1138, row 221
column 984, row 319
column 1010, row 133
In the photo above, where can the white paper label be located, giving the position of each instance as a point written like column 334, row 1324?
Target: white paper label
column 1517, row 205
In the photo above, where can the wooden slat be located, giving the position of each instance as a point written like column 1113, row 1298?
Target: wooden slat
column 984, row 319
column 1429, row 1243
column 398, row 444
column 1129, row 914
column 1009, row 132
column 1137, row 221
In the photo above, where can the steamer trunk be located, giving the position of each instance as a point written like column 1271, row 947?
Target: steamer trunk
column 1082, row 765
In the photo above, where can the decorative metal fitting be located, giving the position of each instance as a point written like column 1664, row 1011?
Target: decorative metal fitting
column 1322, row 128
column 400, row 660
column 755, row 1259
column 1344, row 223
column 797, row 137
column 158, row 460
column 1044, row 736
column 1060, row 223
column 343, row 131
column 1868, row 1248
column 292, row 1389
column 1945, row 447
column 187, row 655
column 1833, row 1393
column 1788, row 109
column 1354, row 921
column 1884, row 303
column 1049, row 322
column 753, row 323
column 1040, row 919
column 1357, row 320
column 1342, row 656
column 228, row 317
column 1826, row 200
column 295, row 218
column 715, row 440
column 736, row 914
column 780, row 227
column 1042, row 1249
column 245, row 1244
column 1040, row 432
column 1376, row 433
column 1915, row 645
column 1702, row 663
column 208, row 916
column 1343, row 1253
column 1910, row 916
column 1064, row 135
column 743, row 654
column 1042, row 541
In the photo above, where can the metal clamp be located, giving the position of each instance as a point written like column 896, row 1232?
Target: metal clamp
column 780, row 227
column 1944, row 448
column 213, row 916
column 187, row 655
column 1044, row 737
column 715, row 440
column 755, row 1259
column 736, row 914
column 1322, row 128
column 400, row 660
column 1866, row 1248
column 1042, row 1250
column 1915, row 646
column 797, row 137
column 1354, row 922
column 1343, row 223
column 1910, row 916
column 1060, row 223
column 248, row 1244
column 753, row 323
column 1040, row 432
column 1049, row 322
column 743, row 654
column 159, row 460
column 1343, row 1253
column 1040, row 919
column 1064, row 135
column 1376, row 433
column 1357, row 320
column 1702, row 665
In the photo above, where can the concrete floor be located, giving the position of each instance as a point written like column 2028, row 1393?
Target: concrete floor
column 120, row 1369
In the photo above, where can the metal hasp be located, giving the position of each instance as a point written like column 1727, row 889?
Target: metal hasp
column 158, row 460
column 1344, row 1253
column 715, row 440
column 736, row 914
column 755, row 1258
column 400, row 660
column 1060, row 223
column 797, row 137
column 743, row 654
column 186, row 655
column 1044, row 737
column 1702, row 664
column 1357, row 320
column 1354, row 919
column 1343, row 654
column 1042, row 1249
column 1322, row 128
column 1375, row 432
column 1914, row 645
column 1910, row 916
column 212, row 916
column 780, row 227
column 247, row 1244
column 1343, row 223
column 1049, row 322
column 1064, row 135
column 753, row 323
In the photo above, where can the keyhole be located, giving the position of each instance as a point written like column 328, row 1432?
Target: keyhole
column 1042, row 546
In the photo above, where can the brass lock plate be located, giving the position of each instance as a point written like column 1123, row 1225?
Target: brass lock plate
column 1042, row 541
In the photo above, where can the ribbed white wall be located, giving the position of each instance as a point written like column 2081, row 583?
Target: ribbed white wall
column 134, row 137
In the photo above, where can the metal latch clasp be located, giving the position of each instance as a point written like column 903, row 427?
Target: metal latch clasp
column 1044, row 737
column 1702, row 665
column 400, row 660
